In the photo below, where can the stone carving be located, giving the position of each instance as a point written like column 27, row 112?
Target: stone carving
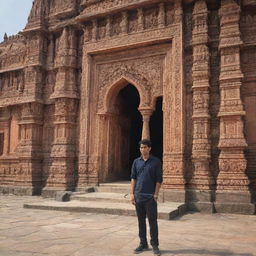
column 151, row 18
column 231, row 128
column 151, row 81
column 11, row 82
column 202, row 178
column 62, row 8
column 169, row 9
column 13, row 55
column 95, row 6
column 132, row 21
column 62, row 74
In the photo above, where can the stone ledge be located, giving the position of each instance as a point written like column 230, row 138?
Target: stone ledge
column 166, row 211
column 203, row 207
column 20, row 191
column 236, row 208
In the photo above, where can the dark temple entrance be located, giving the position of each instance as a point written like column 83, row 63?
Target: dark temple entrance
column 156, row 129
column 130, row 123
column 126, row 130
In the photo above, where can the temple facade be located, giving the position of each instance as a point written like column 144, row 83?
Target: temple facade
column 87, row 79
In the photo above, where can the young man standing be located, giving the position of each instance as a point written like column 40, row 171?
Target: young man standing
column 146, row 180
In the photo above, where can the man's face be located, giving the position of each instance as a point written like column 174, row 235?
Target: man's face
column 144, row 149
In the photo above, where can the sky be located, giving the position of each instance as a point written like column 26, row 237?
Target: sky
column 13, row 16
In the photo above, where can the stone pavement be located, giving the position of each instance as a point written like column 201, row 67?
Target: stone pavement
column 29, row 232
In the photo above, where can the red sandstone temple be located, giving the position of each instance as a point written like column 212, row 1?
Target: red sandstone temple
column 87, row 79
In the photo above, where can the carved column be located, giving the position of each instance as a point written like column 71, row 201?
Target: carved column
column 140, row 19
column 174, row 111
column 146, row 114
column 50, row 56
column 5, row 130
column 108, row 25
column 161, row 16
column 34, row 73
column 94, row 30
column 124, row 22
column 29, row 149
column 232, row 163
column 84, row 126
column 63, row 171
column 65, row 65
column 202, row 179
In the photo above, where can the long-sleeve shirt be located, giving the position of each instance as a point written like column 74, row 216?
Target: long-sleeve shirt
column 147, row 174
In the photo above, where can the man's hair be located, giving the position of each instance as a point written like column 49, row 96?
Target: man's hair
column 146, row 142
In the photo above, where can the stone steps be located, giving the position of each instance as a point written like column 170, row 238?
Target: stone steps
column 107, row 198
column 103, row 197
column 166, row 211
column 114, row 187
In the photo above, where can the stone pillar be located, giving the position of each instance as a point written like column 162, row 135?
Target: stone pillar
column 5, row 130
column 174, row 114
column 161, row 16
column 108, row 26
column 146, row 114
column 63, row 170
column 94, row 30
column 50, row 56
column 29, row 149
column 140, row 19
column 232, row 182
column 84, row 125
column 202, row 179
column 124, row 23
column 62, row 173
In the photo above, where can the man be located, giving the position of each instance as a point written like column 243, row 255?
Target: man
column 146, row 180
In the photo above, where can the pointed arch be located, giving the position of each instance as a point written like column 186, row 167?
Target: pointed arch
column 115, row 88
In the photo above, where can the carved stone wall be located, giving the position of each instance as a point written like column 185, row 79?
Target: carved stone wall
column 61, row 77
column 248, row 64
column 232, row 142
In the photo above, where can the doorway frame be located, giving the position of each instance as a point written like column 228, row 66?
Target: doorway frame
column 174, row 113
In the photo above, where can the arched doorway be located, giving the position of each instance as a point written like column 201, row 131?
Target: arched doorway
column 124, row 127
column 129, row 102
column 121, row 130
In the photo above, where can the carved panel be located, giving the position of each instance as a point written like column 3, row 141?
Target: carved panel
column 11, row 82
column 170, row 12
column 248, row 61
column 95, row 6
column 132, row 21
column 102, row 28
column 145, row 71
column 116, row 25
column 62, row 8
column 151, row 17
column 248, row 27
column 13, row 55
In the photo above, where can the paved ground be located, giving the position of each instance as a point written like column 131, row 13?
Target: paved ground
column 26, row 232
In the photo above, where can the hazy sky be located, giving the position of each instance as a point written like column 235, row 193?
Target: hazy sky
column 13, row 16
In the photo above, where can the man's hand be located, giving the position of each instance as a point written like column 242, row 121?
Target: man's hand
column 156, row 197
column 132, row 199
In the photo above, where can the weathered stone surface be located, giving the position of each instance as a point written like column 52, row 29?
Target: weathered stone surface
column 238, row 208
column 203, row 207
column 86, row 80
column 31, row 232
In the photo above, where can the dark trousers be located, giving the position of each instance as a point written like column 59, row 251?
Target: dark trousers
column 147, row 209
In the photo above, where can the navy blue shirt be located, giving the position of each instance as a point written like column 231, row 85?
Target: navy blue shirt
column 147, row 174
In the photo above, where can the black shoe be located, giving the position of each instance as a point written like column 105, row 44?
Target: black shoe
column 141, row 248
column 156, row 251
